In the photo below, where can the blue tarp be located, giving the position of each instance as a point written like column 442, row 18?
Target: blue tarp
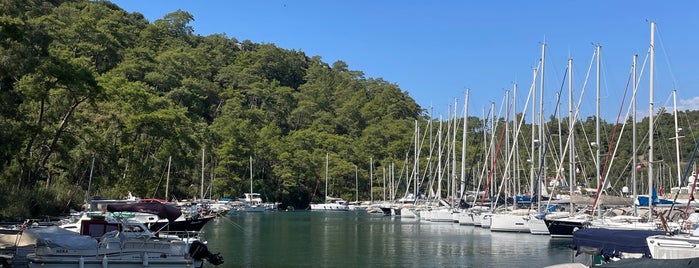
column 611, row 243
column 643, row 200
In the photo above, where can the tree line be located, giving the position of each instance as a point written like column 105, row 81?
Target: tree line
column 96, row 101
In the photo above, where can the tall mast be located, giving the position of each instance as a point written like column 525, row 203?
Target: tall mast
column 201, row 190
column 597, row 123
column 532, row 175
column 651, row 111
column 677, row 140
column 167, row 181
column 571, row 133
column 453, row 155
column 439, row 159
column 633, row 133
column 326, row 177
column 371, row 179
column 515, row 181
column 463, row 147
column 356, row 184
column 542, row 157
column 251, row 177
column 506, row 174
column 417, row 159
column 492, row 151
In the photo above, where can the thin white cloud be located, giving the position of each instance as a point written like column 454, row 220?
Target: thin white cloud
column 688, row 104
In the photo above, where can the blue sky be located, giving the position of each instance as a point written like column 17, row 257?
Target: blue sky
column 436, row 50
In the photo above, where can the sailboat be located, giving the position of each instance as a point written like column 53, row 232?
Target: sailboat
column 252, row 202
column 331, row 203
column 564, row 227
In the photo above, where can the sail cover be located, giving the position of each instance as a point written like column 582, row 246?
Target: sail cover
column 611, row 243
column 161, row 210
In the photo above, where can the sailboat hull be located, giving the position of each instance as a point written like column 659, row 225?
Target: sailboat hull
column 564, row 227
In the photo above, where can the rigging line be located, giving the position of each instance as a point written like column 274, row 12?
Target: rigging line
column 484, row 155
column 547, row 137
column 608, row 161
column 609, row 148
column 509, row 157
column 691, row 131
column 492, row 166
column 628, row 111
column 667, row 58
column 686, row 172
column 579, row 104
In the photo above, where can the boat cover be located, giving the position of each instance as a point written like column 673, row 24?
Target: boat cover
column 57, row 237
column 611, row 243
column 161, row 210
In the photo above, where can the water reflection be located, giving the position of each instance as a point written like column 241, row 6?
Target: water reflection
column 351, row 239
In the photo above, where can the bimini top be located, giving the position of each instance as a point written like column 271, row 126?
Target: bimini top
column 611, row 243
column 161, row 210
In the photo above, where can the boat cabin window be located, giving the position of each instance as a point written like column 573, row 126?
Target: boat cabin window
column 132, row 228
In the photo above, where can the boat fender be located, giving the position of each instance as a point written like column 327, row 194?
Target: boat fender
column 199, row 251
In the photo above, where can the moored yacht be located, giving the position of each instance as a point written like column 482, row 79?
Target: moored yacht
column 122, row 244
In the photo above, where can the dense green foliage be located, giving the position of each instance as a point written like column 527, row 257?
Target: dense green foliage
column 84, row 80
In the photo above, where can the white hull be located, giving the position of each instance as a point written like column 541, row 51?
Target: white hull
column 126, row 261
column 254, row 208
column 485, row 219
column 476, row 219
column 538, row 226
column 465, row 218
column 329, row 207
column 509, row 223
column 408, row 213
column 673, row 247
column 442, row 215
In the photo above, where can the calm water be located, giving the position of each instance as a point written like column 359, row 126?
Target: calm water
column 358, row 239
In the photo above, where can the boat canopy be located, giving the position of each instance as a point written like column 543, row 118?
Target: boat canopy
column 612, row 243
column 161, row 210
column 57, row 237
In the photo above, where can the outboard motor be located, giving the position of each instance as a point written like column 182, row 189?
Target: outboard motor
column 199, row 251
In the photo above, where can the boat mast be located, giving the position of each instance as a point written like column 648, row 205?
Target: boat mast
column 416, row 170
column 439, row 159
column 515, row 181
column 597, row 146
column 356, row 185
column 201, row 190
column 89, row 183
column 167, row 180
column 463, row 147
column 532, row 175
column 677, row 140
column 492, row 154
column 326, row 177
column 453, row 156
column 542, row 157
column 251, row 178
column 651, row 111
column 371, row 179
column 635, row 153
column 507, row 173
column 571, row 133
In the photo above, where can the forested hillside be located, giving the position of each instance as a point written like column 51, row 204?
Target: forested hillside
column 84, row 81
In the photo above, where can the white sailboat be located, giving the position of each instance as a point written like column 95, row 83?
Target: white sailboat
column 331, row 203
column 252, row 202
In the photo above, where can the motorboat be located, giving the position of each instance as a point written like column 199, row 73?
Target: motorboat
column 121, row 244
column 332, row 204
